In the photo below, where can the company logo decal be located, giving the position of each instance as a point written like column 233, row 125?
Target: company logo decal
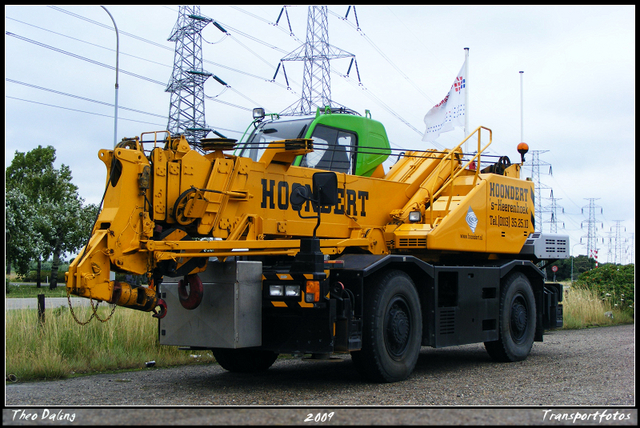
column 472, row 220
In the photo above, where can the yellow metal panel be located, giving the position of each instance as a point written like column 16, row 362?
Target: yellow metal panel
column 464, row 228
column 159, row 192
column 510, row 213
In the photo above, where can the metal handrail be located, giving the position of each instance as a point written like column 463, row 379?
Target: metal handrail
column 453, row 176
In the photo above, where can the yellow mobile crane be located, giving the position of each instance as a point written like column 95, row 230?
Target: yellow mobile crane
column 296, row 240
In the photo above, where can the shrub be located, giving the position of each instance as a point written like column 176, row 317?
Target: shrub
column 32, row 276
column 612, row 283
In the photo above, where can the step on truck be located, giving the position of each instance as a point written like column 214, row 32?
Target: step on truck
column 295, row 240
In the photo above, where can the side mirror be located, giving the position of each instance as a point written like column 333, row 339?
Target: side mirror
column 325, row 188
column 299, row 195
column 325, row 193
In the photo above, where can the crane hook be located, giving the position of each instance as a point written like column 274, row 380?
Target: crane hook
column 163, row 310
column 193, row 298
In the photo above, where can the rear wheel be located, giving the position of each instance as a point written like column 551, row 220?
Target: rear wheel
column 517, row 324
column 392, row 329
column 244, row 360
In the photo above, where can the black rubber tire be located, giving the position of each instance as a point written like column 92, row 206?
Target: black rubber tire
column 517, row 321
column 244, row 360
column 392, row 328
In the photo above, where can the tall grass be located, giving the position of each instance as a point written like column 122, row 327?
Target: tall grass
column 60, row 347
column 584, row 308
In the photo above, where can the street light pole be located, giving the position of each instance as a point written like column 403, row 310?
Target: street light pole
column 112, row 275
column 115, row 122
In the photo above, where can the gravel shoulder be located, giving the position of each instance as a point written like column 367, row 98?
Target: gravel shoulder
column 573, row 368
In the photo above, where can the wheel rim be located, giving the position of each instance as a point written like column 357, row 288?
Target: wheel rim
column 397, row 327
column 519, row 319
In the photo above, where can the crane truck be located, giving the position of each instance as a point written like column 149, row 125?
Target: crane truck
column 295, row 240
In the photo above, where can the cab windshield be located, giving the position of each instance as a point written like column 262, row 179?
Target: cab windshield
column 267, row 132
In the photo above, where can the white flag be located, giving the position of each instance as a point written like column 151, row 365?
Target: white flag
column 449, row 112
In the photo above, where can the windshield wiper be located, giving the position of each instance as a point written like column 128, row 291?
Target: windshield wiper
column 304, row 128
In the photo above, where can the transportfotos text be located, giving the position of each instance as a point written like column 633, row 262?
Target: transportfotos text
column 597, row 416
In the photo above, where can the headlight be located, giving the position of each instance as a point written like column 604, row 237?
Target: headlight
column 292, row 290
column 258, row 113
column 414, row 216
column 276, row 290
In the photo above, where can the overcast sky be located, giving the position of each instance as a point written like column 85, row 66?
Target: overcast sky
column 578, row 86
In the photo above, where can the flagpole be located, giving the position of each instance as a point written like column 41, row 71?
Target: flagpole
column 466, row 96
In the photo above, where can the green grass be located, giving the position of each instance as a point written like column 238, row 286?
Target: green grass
column 583, row 308
column 62, row 348
column 15, row 291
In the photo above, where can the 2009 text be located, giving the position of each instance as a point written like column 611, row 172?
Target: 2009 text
column 319, row 417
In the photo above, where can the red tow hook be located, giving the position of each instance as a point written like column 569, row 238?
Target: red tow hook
column 193, row 298
column 163, row 309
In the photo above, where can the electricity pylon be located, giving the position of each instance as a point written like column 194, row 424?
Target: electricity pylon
column 186, row 109
column 592, row 235
column 316, row 54
column 553, row 208
column 535, row 176
column 619, row 247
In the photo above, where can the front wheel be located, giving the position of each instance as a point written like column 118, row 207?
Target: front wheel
column 517, row 321
column 392, row 329
column 244, row 360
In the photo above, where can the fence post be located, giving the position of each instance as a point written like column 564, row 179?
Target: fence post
column 41, row 308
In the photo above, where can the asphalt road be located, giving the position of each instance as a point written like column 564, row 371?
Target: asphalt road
column 573, row 377
column 49, row 302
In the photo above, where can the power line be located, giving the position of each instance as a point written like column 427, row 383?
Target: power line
column 142, row 39
column 100, row 24
column 109, row 116
column 383, row 55
column 80, row 57
column 81, row 98
column 79, row 111
column 89, row 43
column 110, row 67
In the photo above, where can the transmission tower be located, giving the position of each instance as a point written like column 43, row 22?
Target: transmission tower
column 316, row 54
column 592, row 235
column 610, row 244
column 186, row 110
column 553, row 208
column 535, row 176
column 618, row 257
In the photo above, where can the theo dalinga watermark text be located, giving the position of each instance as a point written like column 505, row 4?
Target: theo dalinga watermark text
column 46, row 414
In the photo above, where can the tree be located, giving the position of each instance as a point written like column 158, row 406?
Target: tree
column 69, row 228
column 20, row 231
column 47, row 214
column 580, row 264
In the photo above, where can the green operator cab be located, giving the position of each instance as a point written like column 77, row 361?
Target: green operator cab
column 343, row 141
